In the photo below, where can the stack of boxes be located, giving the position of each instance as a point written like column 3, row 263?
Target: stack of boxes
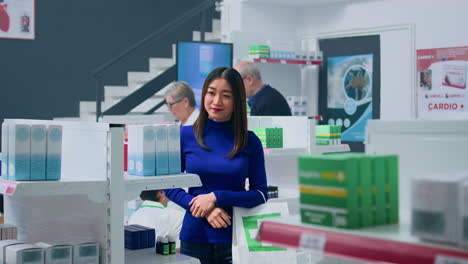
column 31, row 152
column 14, row 251
column 349, row 190
column 271, row 137
column 438, row 209
column 328, row 134
column 259, row 52
column 153, row 150
column 139, row 237
column 282, row 49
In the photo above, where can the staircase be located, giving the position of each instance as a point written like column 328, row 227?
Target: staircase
column 114, row 94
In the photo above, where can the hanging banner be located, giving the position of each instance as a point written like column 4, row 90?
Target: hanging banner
column 349, row 100
column 17, row 19
column 441, row 89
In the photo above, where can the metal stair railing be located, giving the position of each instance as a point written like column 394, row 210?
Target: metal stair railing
column 200, row 9
column 140, row 95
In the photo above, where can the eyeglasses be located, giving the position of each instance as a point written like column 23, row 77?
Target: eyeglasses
column 169, row 105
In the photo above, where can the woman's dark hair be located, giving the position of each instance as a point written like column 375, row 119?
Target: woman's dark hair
column 239, row 113
column 149, row 195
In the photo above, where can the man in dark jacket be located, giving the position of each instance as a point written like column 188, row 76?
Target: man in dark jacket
column 263, row 99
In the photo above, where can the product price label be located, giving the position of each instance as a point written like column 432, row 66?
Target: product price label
column 441, row 259
column 313, row 243
column 3, row 187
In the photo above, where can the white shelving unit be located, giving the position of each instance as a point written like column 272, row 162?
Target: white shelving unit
column 135, row 184
column 147, row 256
column 332, row 149
column 131, row 186
column 289, row 61
column 284, row 151
column 74, row 210
column 95, row 190
column 424, row 148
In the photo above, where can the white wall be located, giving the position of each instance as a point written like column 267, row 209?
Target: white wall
column 260, row 17
column 252, row 16
column 437, row 24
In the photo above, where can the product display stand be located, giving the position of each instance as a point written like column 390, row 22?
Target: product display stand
column 424, row 147
column 92, row 210
column 125, row 188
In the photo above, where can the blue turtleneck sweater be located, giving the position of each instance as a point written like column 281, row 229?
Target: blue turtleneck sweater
column 223, row 176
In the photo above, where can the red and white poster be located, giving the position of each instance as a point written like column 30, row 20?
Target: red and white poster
column 442, row 86
column 17, row 19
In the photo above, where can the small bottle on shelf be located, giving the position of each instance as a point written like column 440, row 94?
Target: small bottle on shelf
column 165, row 246
column 172, row 244
column 159, row 245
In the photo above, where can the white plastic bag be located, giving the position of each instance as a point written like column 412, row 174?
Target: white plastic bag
column 247, row 250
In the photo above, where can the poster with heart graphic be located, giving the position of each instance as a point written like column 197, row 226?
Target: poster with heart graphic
column 441, row 83
column 17, row 19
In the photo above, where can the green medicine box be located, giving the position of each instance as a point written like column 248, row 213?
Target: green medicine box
column 270, row 137
column 326, row 216
column 331, row 181
column 379, row 194
column 391, row 179
column 353, row 188
column 259, row 51
column 328, row 134
column 386, row 186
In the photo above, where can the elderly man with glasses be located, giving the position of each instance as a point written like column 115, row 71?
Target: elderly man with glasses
column 180, row 100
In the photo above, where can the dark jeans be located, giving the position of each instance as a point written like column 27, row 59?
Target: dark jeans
column 208, row 253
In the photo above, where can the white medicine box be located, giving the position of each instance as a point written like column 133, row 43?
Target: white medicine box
column 86, row 253
column 56, row 253
column 24, row 254
column 435, row 208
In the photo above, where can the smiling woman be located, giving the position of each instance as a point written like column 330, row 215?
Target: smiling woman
column 224, row 154
column 218, row 100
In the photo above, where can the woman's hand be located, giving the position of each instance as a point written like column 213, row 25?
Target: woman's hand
column 218, row 218
column 202, row 204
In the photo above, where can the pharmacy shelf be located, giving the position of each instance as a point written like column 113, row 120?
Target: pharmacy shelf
column 389, row 243
column 148, row 256
column 285, row 61
column 135, row 184
column 320, row 149
column 284, row 151
column 94, row 189
column 302, row 151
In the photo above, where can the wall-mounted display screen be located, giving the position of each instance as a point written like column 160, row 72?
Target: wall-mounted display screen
column 195, row 60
